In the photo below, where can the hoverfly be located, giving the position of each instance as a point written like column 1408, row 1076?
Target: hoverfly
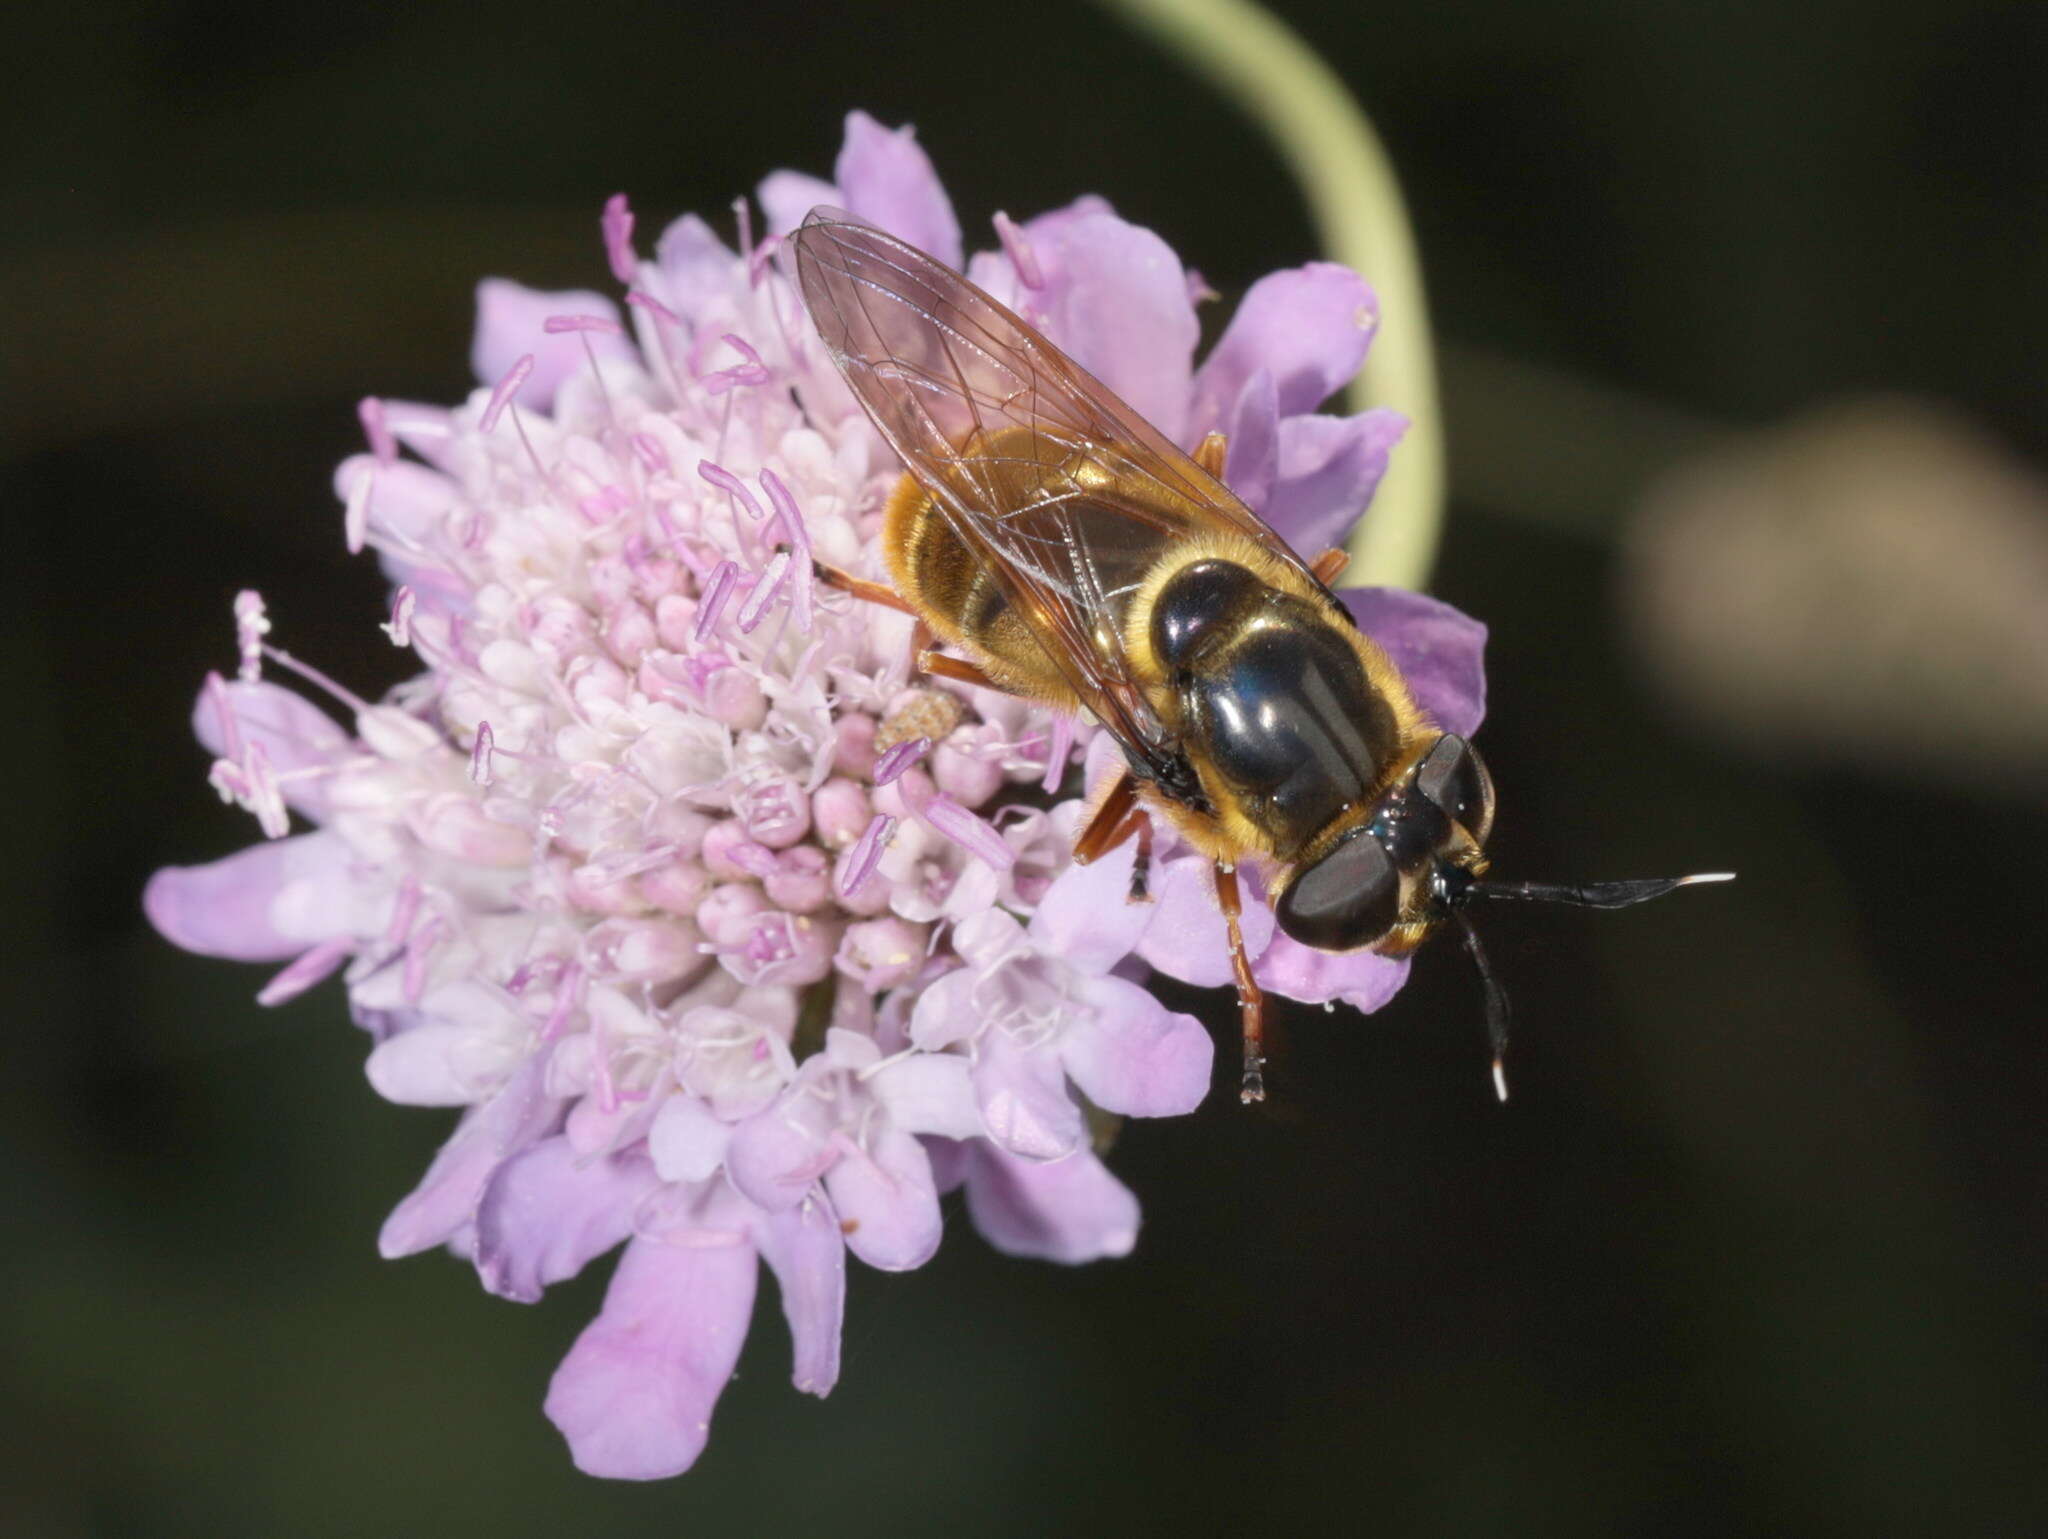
column 1073, row 555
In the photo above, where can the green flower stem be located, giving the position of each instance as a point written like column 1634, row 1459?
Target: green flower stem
column 1356, row 202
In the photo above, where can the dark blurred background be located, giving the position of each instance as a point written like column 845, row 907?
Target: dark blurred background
column 1759, row 1245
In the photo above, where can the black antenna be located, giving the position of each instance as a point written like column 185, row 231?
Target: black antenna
column 1496, row 1002
column 1595, row 894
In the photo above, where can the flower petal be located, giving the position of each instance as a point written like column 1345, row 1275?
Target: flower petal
column 635, row 1394
column 1134, row 1056
column 295, row 733
column 1024, row 1100
column 488, row 1135
column 885, row 177
column 888, row 1203
column 929, row 1093
column 270, row 901
column 511, row 321
column 1086, row 918
column 1188, row 939
column 1309, row 326
column 1439, row 650
column 696, row 268
column 687, row 1141
column 806, row 1251
column 546, row 1213
column 1329, row 468
column 786, row 196
column 1360, row 979
column 775, row 1155
column 1069, row 1210
column 1115, row 299
column 1252, row 462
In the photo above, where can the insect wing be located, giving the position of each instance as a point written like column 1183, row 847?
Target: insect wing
column 1070, row 494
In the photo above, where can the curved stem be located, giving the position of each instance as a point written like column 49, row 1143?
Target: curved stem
column 1355, row 199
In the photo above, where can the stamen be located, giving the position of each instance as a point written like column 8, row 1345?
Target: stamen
column 766, row 586
column 757, row 264
column 730, row 484
column 506, row 389
column 963, row 828
column 1017, row 246
column 715, row 594
column 556, row 325
column 307, row 970
column 743, row 220
column 568, row 995
column 799, row 538
column 399, row 629
column 251, row 626
column 617, row 224
column 348, row 697
column 650, row 452
column 865, row 854
column 643, row 300
column 370, row 412
column 230, row 729
column 480, row 755
column 1062, row 749
column 900, row 758
column 404, row 909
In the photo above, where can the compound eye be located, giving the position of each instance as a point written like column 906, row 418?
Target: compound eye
column 1452, row 776
column 1349, row 898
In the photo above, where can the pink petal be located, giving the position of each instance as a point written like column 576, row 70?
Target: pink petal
column 1024, row 1100
column 696, row 267
column 270, row 901
column 1252, row 460
column 511, row 323
column 488, row 1135
column 1134, row 1056
column 807, row 1253
column 1360, row 979
column 295, row 733
column 1440, row 651
column 1069, row 1210
column 546, row 1213
column 1328, row 470
column 786, row 196
column 688, row 1142
column 635, row 1394
column 1308, row 326
column 886, row 178
column 1188, row 939
column 1086, row 918
column 929, row 1093
column 776, row 1155
column 888, row 1203
column 945, row 1012
column 1115, row 299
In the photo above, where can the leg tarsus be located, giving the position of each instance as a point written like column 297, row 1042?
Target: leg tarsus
column 1251, row 999
column 861, row 588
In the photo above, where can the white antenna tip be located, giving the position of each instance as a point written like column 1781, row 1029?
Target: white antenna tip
column 1500, row 1081
column 1706, row 876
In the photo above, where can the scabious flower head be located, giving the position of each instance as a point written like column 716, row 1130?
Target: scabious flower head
column 734, row 942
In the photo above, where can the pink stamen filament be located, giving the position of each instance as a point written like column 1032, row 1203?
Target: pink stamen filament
column 307, row 970
column 715, row 594
column 899, row 758
column 480, row 755
column 506, row 388
column 866, row 853
column 766, row 586
column 617, row 225
column 799, row 538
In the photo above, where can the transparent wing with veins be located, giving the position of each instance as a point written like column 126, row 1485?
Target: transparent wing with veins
column 1070, row 495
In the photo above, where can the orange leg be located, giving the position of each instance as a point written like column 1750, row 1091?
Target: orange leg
column 1251, row 1000
column 1211, row 452
column 861, row 588
column 940, row 666
column 1106, row 826
column 1329, row 566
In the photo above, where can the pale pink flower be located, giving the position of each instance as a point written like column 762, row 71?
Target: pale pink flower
column 622, row 872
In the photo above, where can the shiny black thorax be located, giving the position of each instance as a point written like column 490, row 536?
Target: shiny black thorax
column 1275, row 695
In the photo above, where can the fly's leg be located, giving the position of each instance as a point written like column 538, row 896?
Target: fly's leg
column 1251, row 1000
column 861, row 588
column 1329, row 566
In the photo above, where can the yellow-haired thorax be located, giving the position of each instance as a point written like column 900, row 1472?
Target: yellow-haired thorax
column 1228, row 833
